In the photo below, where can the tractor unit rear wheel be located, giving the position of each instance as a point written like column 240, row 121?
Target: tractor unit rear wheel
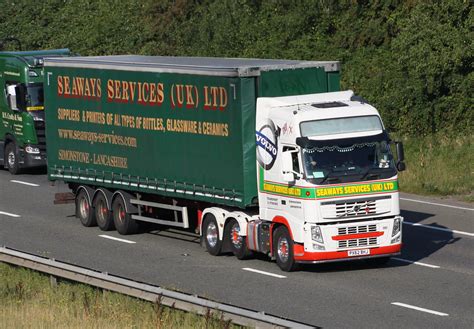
column 238, row 243
column 211, row 235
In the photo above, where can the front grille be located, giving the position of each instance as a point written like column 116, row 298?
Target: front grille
column 352, row 243
column 353, row 208
column 41, row 134
column 356, row 229
column 357, row 208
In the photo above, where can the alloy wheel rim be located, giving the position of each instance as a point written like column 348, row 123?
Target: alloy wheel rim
column 121, row 214
column 84, row 208
column 211, row 234
column 283, row 250
column 101, row 213
column 236, row 238
column 11, row 159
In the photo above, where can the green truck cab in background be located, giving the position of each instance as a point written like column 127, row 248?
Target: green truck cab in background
column 22, row 126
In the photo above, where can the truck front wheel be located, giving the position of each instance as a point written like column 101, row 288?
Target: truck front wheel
column 211, row 235
column 124, row 223
column 84, row 211
column 12, row 157
column 283, row 249
column 103, row 215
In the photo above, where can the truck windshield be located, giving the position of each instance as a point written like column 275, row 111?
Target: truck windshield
column 339, row 163
column 34, row 97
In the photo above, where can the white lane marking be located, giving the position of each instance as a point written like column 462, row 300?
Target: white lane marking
column 437, row 204
column 264, row 273
column 9, row 214
column 413, row 262
column 420, row 309
column 439, row 228
column 116, row 239
column 24, row 183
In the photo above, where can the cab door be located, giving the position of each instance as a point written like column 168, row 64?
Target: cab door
column 293, row 192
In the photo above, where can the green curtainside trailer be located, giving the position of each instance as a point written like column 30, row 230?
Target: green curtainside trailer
column 179, row 127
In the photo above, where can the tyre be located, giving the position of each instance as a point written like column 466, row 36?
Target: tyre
column 283, row 249
column 122, row 219
column 238, row 243
column 84, row 211
column 211, row 235
column 12, row 158
column 103, row 215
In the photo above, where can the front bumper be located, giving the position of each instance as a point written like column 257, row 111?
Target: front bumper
column 30, row 160
column 351, row 240
column 336, row 256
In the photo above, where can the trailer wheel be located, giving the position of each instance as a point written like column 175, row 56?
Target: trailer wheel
column 124, row 223
column 211, row 235
column 284, row 249
column 84, row 210
column 238, row 243
column 103, row 215
column 11, row 158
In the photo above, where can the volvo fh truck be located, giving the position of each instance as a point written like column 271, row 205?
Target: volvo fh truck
column 256, row 155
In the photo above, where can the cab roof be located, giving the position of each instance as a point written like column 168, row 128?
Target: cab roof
column 34, row 57
column 319, row 106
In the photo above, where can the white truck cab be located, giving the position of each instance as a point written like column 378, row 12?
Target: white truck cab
column 327, row 180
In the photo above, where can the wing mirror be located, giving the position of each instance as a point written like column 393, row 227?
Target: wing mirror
column 400, row 156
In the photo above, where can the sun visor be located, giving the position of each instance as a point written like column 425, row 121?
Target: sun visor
column 305, row 142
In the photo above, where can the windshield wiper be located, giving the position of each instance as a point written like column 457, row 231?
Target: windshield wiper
column 368, row 174
column 330, row 178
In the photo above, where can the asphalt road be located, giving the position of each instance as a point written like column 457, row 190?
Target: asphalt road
column 429, row 286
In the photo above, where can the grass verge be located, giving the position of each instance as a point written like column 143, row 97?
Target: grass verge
column 28, row 300
column 439, row 165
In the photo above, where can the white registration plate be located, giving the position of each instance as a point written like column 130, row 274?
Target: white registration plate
column 359, row 252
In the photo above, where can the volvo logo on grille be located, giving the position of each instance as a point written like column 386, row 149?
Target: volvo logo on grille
column 355, row 210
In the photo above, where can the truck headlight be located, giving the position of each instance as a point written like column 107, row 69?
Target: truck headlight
column 396, row 226
column 316, row 234
column 32, row 150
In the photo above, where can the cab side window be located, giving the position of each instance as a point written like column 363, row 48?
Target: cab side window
column 11, row 96
column 296, row 165
column 294, row 158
